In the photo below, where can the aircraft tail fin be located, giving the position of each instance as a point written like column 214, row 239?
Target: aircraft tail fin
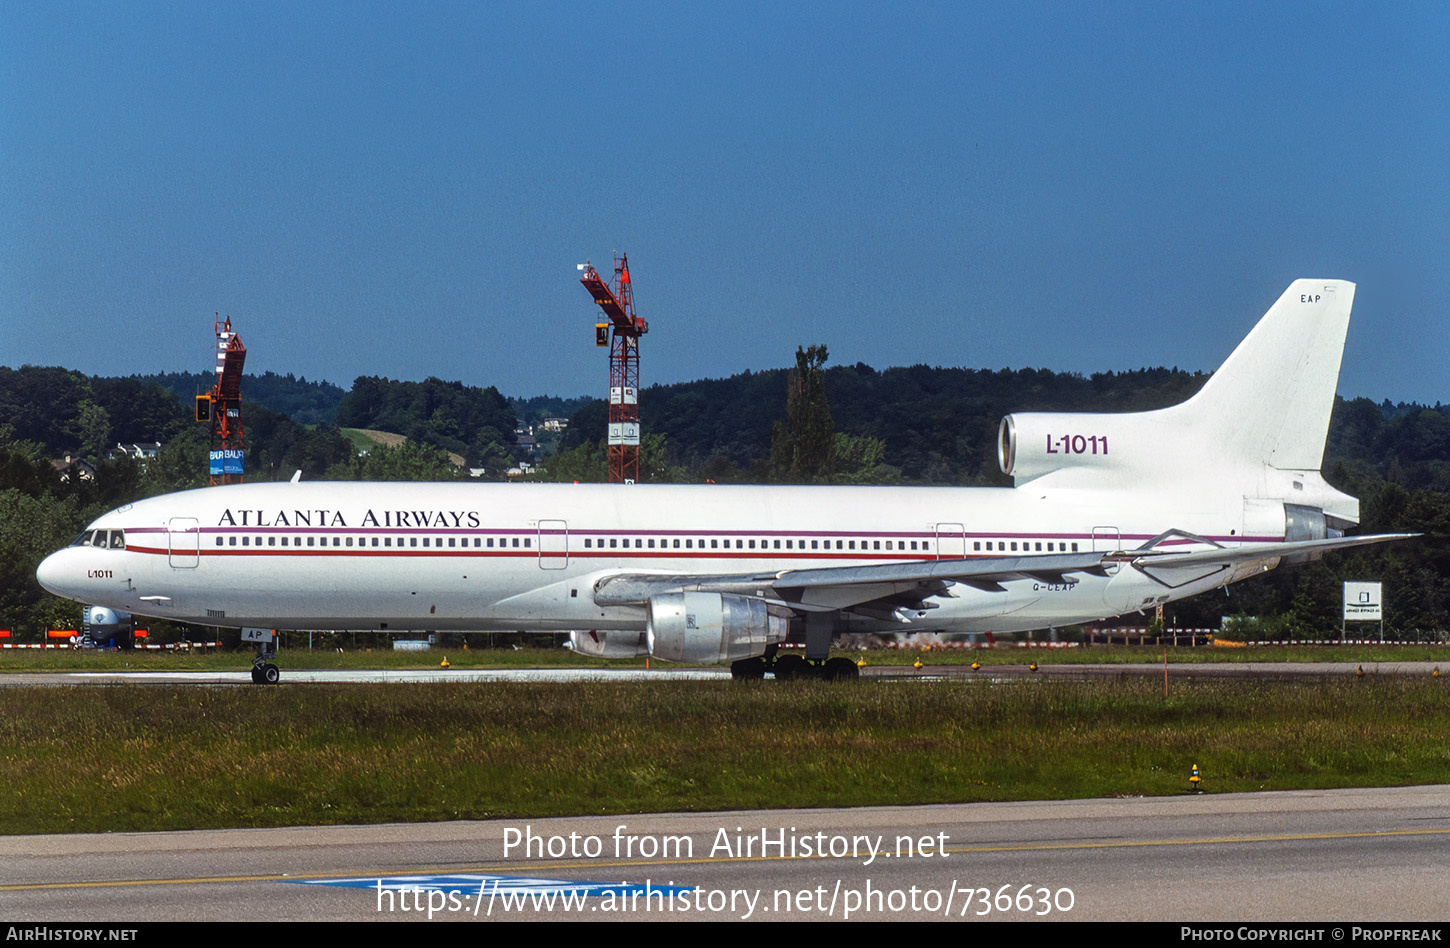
column 1269, row 403
column 1259, row 421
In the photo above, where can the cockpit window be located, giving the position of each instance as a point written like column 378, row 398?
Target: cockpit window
column 105, row 539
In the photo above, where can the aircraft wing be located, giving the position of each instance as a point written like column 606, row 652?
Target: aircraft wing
column 910, row 585
column 891, row 585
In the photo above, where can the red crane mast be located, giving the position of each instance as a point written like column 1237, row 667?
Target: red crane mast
column 621, row 334
column 222, row 406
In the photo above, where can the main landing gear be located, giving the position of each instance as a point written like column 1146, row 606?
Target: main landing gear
column 794, row 667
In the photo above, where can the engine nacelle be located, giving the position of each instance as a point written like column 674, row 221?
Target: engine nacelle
column 1305, row 523
column 1294, row 522
column 1031, row 444
column 700, row 628
column 609, row 644
column 101, row 621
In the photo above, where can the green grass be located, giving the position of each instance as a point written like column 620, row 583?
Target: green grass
column 97, row 758
column 1153, row 654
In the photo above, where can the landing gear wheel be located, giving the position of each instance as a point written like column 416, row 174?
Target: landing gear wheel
column 271, row 674
column 748, row 669
column 256, row 675
column 790, row 667
column 840, row 669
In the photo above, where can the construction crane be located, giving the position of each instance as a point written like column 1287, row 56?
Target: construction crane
column 222, row 406
column 621, row 334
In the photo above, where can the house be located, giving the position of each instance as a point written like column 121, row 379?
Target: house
column 79, row 468
column 138, row 451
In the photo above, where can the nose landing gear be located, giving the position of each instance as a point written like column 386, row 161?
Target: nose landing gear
column 264, row 671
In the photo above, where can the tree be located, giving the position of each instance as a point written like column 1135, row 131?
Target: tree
column 803, row 446
column 409, row 461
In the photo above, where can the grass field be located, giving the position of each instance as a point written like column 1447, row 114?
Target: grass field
column 92, row 758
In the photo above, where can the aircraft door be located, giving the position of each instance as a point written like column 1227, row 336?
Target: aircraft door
column 183, row 538
column 553, row 544
column 951, row 541
column 1106, row 540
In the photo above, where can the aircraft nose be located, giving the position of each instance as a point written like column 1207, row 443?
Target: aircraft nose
column 51, row 574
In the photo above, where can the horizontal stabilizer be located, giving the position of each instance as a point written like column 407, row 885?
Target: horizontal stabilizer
column 1248, row 552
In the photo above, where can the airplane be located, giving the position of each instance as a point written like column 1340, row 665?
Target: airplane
column 1109, row 514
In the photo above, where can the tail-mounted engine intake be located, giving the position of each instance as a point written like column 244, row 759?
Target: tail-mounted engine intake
column 700, row 628
column 1031, row 444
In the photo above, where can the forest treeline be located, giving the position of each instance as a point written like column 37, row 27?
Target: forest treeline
column 909, row 425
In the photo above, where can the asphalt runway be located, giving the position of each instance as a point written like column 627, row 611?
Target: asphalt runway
column 1340, row 856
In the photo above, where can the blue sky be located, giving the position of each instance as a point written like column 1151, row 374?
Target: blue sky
column 405, row 189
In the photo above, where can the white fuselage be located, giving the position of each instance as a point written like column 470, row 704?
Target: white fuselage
column 397, row 556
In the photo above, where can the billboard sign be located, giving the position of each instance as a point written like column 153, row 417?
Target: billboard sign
column 1363, row 602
